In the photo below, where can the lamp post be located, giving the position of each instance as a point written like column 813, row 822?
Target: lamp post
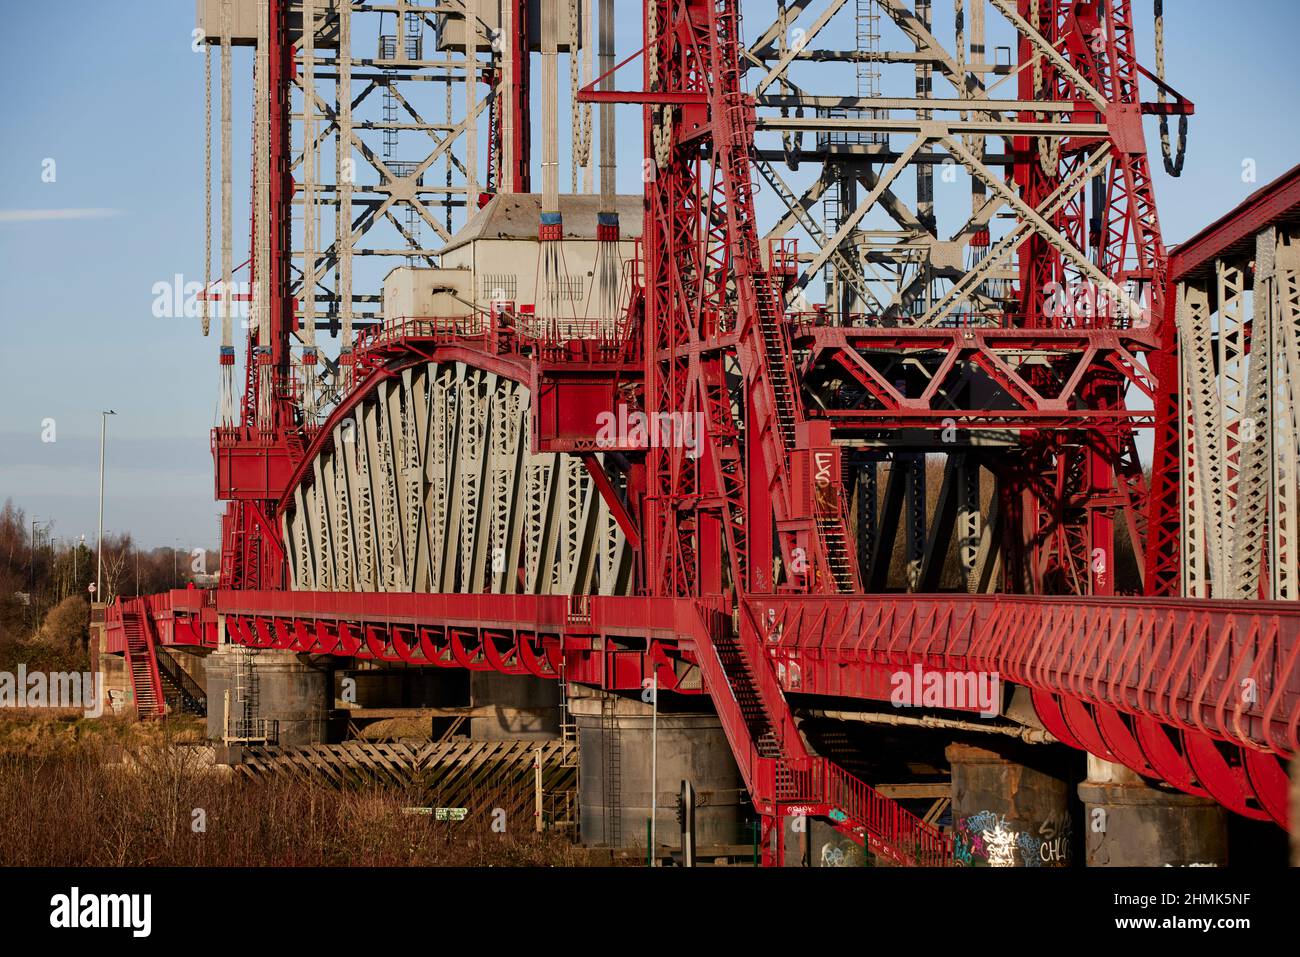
column 31, row 555
column 31, row 561
column 99, row 544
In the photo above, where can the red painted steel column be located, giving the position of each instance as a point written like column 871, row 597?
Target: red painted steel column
column 758, row 509
column 520, row 178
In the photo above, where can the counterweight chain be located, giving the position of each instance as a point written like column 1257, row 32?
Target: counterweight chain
column 581, row 125
column 1049, row 147
column 1173, row 161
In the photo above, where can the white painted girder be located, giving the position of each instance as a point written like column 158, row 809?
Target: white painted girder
column 435, row 466
column 1240, row 421
column 1200, row 392
column 1285, row 551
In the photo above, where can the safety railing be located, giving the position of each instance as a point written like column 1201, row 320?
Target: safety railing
column 752, row 768
column 193, row 697
column 252, row 731
column 504, row 326
column 822, row 316
column 890, row 828
column 903, row 832
column 1181, row 662
column 783, row 256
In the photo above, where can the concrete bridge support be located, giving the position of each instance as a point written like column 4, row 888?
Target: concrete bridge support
column 1130, row 824
column 522, row 707
column 1009, row 813
column 295, row 694
column 217, row 671
column 614, row 736
column 810, row 842
column 118, row 696
column 282, row 686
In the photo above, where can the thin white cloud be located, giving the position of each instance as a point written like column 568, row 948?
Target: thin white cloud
column 45, row 215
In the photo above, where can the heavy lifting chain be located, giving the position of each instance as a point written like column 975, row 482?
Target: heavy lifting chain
column 791, row 140
column 661, row 121
column 1173, row 163
column 1049, row 147
column 581, row 111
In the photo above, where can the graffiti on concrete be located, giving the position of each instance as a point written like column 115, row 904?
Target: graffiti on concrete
column 985, row 839
column 973, row 835
column 1001, row 842
column 1054, row 839
column 833, row 856
column 841, row 853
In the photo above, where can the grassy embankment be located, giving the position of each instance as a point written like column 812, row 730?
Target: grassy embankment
column 110, row 791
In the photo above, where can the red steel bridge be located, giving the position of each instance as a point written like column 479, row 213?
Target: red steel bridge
column 795, row 550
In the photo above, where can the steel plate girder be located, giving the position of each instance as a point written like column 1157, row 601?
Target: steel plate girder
column 1214, row 668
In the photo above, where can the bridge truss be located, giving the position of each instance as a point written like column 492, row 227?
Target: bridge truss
column 1000, row 319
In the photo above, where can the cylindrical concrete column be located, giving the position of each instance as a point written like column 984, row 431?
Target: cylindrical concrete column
column 293, row 694
column 1127, row 823
column 1008, row 814
column 614, row 735
column 218, row 668
column 289, row 691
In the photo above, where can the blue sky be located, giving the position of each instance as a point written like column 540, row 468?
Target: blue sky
column 114, row 95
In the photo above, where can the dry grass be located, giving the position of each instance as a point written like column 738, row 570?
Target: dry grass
column 114, row 792
column 46, row 732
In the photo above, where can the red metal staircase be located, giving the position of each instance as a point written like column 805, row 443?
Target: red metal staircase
column 765, row 353
column 783, row 778
column 141, row 660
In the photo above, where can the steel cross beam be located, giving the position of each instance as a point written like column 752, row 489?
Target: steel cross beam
column 607, row 642
column 947, row 358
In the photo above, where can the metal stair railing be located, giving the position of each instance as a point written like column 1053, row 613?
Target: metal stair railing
column 192, row 697
column 141, row 661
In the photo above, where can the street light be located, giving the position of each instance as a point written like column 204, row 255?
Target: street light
column 76, row 554
column 99, row 545
column 31, row 560
column 31, row 555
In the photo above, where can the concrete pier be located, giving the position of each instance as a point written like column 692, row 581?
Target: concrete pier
column 614, row 735
column 217, row 670
column 1007, row 813
column 119, row 697
column 1130, row 824
column 523, row 707
column 810, row 842
column 289, row 691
